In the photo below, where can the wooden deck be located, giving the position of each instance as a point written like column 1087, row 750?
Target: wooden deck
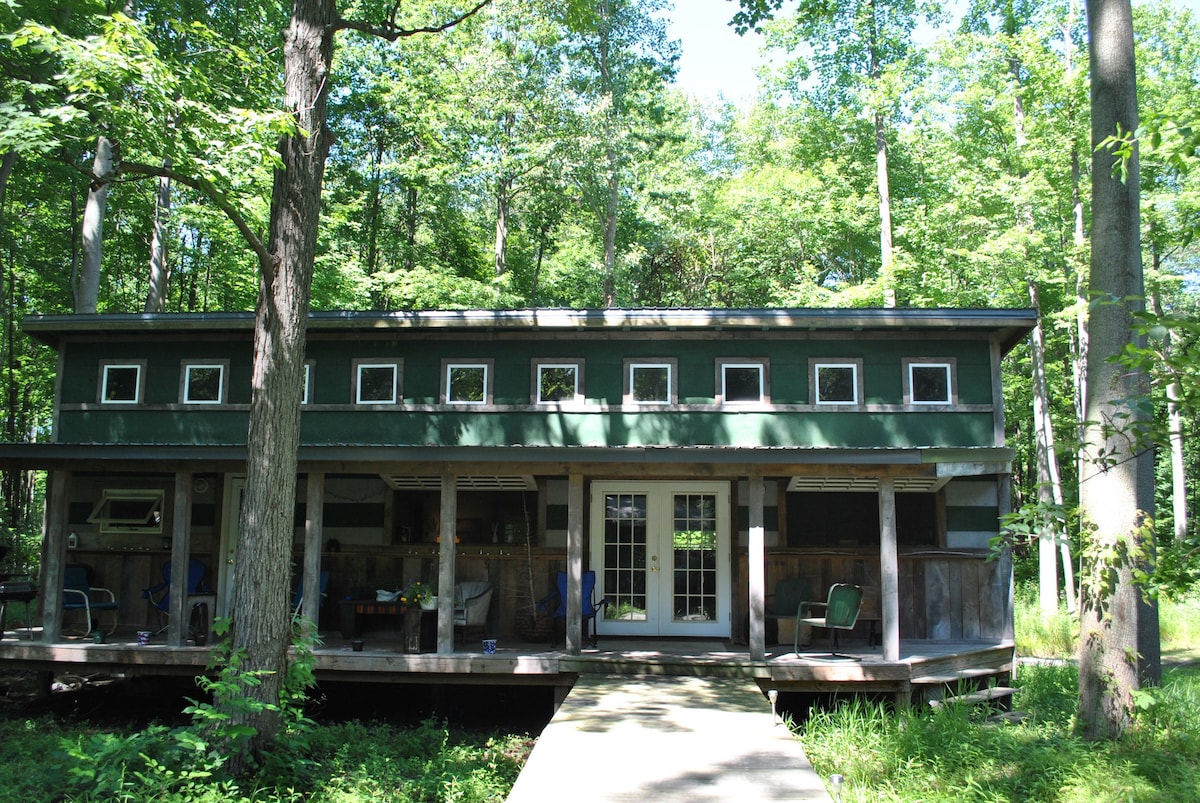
column 382, row 660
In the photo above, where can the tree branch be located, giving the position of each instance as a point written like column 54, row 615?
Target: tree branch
column 391, row 32
column 201, row 185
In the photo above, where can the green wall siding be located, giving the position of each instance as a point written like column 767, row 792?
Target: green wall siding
column 332, row 419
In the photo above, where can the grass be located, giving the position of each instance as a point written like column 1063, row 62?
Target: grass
column 957, row 753
column 47, row 760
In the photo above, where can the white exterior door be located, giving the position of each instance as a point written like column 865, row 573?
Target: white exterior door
column 661, row 554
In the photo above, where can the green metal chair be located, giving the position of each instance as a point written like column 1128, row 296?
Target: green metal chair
column 841, row 613
column 80, row 595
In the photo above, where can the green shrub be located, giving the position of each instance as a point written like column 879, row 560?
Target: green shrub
column 956, row 754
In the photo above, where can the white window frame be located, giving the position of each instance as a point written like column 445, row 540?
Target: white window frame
column 855, row 366
column 761, row 364
column 306, row 390
column 947, row 364
column 151, row 523
column 539, row 365
column 222, row 368
column 632, row 365
column 396, row 368
column 139, row 385
column 448, row 368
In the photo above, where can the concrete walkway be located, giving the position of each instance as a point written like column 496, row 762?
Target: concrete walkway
column 665, row 739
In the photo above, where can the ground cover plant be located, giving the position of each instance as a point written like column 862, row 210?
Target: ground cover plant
column 967, row 753
column 47, row 759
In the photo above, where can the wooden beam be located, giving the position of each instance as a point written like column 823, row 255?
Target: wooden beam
column 314, row 528
column 889, row 569
column 446, row 531
column 54, row 553
column 757, row 565
column 575, row 564
column 181, row 517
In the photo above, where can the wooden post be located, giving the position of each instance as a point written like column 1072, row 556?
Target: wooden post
column 574, row 564
column 889, row 569
column 757, row 570
column 54, row 553
column 446, row 532
column 314, row 528
column 181, row 517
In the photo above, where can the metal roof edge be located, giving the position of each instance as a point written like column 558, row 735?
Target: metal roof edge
column 1011, row 324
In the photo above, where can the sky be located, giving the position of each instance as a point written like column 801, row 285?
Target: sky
column 716, row 62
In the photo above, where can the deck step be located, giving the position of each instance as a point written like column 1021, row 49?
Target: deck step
column 954, row 677
column 981, row 696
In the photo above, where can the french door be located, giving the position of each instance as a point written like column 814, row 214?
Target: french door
column 661, row 554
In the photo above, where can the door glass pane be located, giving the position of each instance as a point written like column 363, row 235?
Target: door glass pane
column 694, row 544
column 625, row 556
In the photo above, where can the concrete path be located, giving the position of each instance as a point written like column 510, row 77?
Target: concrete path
column 666, row 739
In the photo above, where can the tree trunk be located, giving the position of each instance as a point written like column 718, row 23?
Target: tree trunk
column 1179, row 507
column 503, row 204
column 610, row 232
column 886, row 273
column 262, row 619
column 1119, row 647
column 87, row 291
column 1044, row 452
column 156, row 295
column 374, row 223
column 504, row 185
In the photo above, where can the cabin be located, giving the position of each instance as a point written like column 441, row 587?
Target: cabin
column 704, row 468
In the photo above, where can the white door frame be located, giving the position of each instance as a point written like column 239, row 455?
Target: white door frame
column 659, row 619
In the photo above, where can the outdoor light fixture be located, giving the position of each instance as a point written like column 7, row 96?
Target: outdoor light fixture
column 835, row 786
column 773, row 695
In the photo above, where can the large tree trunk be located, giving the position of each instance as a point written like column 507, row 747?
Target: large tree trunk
column 1119, row 647
column 156, row 295
column 262, row 619
column 87, row 290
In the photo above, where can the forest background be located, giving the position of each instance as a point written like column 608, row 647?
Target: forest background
column 522, row 160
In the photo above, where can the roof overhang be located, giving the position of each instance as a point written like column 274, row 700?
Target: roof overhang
column 924, row 468
column 1008, row 326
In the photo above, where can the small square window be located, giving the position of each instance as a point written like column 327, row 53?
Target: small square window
column 742, row 382
column 376, row 383
column 650, row 383
column 835, row 383
column 204, row 383
column 121, row 384
column 557, row 383
column 930, row 382
column 467, row 383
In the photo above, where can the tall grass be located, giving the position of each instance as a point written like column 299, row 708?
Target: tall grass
column 1044, row 637
column 1057, row 636
column 953, row 754
column 957, row 753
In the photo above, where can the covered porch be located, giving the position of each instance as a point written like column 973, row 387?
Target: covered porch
column 924, row 668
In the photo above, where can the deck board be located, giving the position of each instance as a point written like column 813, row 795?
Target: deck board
column 382, row 660
column 672, row 739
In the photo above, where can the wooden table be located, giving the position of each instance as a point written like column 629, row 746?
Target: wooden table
column 355, row 611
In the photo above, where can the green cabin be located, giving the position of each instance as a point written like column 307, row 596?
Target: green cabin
column 697, row 461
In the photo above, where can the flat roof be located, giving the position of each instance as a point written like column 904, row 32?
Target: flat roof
column 1010, row 325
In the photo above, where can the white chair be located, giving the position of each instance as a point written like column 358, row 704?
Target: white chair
column 471, row 602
